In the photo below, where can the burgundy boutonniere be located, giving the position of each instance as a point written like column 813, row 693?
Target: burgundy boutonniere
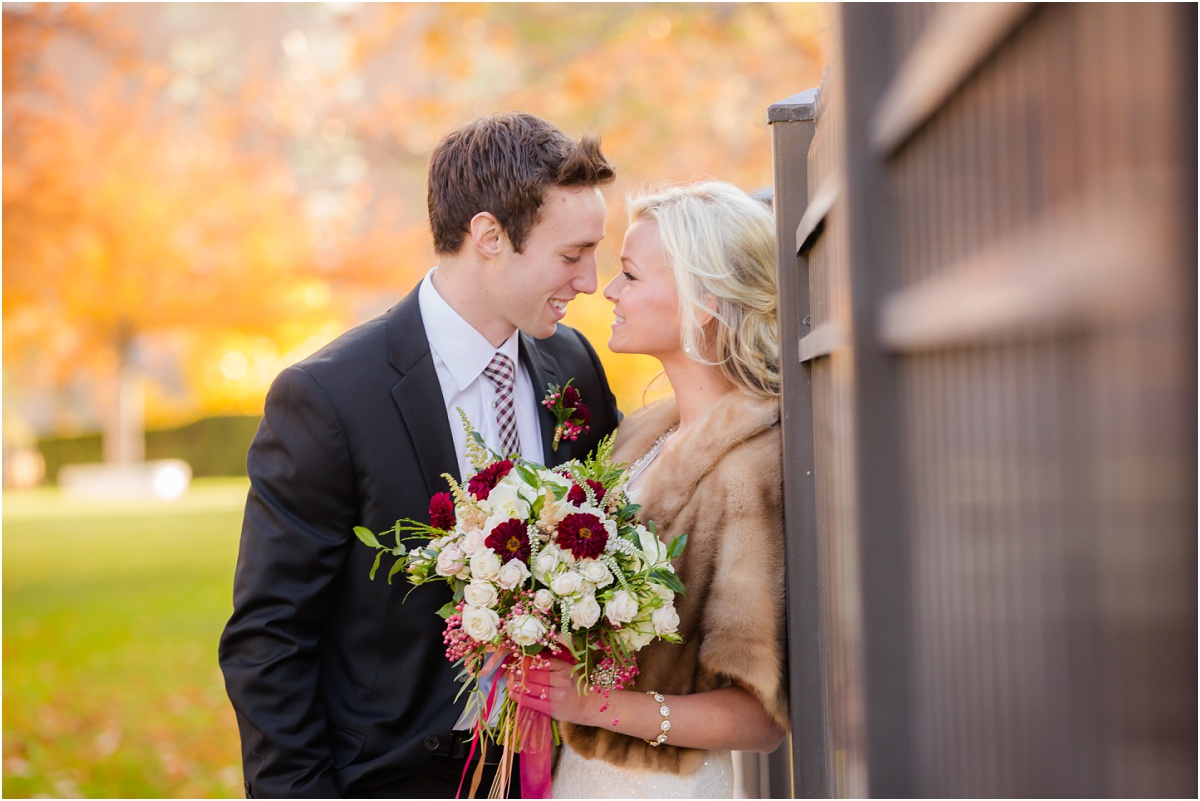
column 571, row 414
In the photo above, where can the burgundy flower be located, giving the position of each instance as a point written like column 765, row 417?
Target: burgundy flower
column 582, row 415
column 509, row 540
column 441, row 511
column 578, row 496
column 482, row 483
column 582, row 535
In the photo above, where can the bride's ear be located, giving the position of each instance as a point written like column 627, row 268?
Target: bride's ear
column 485, row 234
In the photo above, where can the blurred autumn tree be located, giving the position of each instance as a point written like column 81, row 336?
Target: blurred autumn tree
column 236, row 184
column 125, row 216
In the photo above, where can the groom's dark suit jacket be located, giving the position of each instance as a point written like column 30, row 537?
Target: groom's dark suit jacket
column 341, row 683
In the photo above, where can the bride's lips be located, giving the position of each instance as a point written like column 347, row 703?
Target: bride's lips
column 617, row 319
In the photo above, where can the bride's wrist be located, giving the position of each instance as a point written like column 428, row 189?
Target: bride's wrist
column 600, row 710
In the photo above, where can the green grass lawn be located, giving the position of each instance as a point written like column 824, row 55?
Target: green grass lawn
column 112, row 611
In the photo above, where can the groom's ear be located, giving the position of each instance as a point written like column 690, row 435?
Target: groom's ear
column 486, row 234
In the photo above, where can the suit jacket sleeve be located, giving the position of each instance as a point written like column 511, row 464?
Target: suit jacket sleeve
column 294, row 539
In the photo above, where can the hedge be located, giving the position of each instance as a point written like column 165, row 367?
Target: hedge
column 213, row 446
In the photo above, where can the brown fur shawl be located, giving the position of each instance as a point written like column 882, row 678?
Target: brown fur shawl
column 720, row 483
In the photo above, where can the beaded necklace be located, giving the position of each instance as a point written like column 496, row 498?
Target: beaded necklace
column 646, row 458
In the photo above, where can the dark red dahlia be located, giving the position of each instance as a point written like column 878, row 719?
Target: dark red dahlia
column 441, row 511
column 582, row 535
column 578, row 496
column 509, row 540
column 482, row 483
column 571, row 399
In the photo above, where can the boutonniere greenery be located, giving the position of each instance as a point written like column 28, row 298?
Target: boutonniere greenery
column 571, row 414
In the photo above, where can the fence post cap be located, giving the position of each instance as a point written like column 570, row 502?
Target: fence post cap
column 801, row 106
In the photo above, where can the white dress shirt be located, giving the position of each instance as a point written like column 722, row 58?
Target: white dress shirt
column 460, row 354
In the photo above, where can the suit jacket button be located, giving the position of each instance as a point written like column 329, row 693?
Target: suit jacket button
column 248, row 793
column 432, row 743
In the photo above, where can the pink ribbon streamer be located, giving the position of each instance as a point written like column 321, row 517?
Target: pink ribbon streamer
column 537, row 747
column 479, row 722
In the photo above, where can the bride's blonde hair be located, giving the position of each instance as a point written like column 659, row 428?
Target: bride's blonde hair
column 720, row 243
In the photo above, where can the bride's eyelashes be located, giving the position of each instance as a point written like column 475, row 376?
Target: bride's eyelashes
column 628, row 275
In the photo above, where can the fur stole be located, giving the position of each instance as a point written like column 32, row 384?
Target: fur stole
column 720, row 482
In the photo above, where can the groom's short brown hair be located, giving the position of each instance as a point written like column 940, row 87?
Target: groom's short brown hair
column 502, row 164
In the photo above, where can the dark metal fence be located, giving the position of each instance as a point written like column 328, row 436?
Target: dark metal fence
column 987, row 228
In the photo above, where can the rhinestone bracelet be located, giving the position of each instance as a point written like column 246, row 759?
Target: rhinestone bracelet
column 665, row 711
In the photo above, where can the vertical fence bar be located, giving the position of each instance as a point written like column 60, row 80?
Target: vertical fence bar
column 792, row 124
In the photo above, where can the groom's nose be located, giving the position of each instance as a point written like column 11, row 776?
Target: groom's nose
column 585, row 281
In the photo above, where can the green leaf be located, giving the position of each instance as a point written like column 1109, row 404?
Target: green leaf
column 375, row 566
column 367, row 536
column 536, row 509
column 677, row 545
column 396, row 568
column 668, row 580
column 527, row 475
column 447, row 610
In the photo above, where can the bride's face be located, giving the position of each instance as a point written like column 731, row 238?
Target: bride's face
column 644, row 297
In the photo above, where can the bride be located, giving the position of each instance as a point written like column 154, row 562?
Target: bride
column 697, row 292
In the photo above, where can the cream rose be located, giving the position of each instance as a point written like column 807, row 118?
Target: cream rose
column 665, row 619
column 472, row 541
column 481, row 625
column 526, row 630
column 585, row 612
column 547, row 559
column 543, row 599
column 622, row 608
column 480, row 593
column 485, row 564
column 512, row 573
column 635, row 637
column 566, row 583
column 449, row 560
column 596, row 572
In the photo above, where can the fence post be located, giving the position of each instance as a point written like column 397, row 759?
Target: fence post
column 802, row 767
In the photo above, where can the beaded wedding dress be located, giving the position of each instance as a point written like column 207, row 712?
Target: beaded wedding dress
column 579, row 777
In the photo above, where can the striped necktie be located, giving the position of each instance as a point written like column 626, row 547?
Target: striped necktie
column 500, row 372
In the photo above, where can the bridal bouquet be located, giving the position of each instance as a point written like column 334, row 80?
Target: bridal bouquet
column 540, row 560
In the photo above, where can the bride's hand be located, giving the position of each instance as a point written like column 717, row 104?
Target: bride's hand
column 556, row 692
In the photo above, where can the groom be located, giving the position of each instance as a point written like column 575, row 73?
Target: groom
column 340, row 684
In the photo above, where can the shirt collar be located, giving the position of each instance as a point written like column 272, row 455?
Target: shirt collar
column 463, row 350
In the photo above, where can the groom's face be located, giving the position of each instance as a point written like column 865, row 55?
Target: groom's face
column 558, row 261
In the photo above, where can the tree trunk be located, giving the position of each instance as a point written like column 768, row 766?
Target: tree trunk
column 124, row 430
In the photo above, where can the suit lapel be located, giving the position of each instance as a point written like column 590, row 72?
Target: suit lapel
column 544, row 370
column 418, row 394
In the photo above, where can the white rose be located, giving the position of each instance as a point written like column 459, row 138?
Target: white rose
column 482, row 625
column 543, row 600
column 485, row 564
column 585, row 612
column 621, row 609
column 652, row 546
column 586, row 588
column 566, row 583
column 635, row 637
column 472, row 541
column 665, row 619
column 512, row 574
column 480, row 593
column 526, row 630
column 547, row 560
column 597, row 572
column 512, row 497
column 449, row 561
